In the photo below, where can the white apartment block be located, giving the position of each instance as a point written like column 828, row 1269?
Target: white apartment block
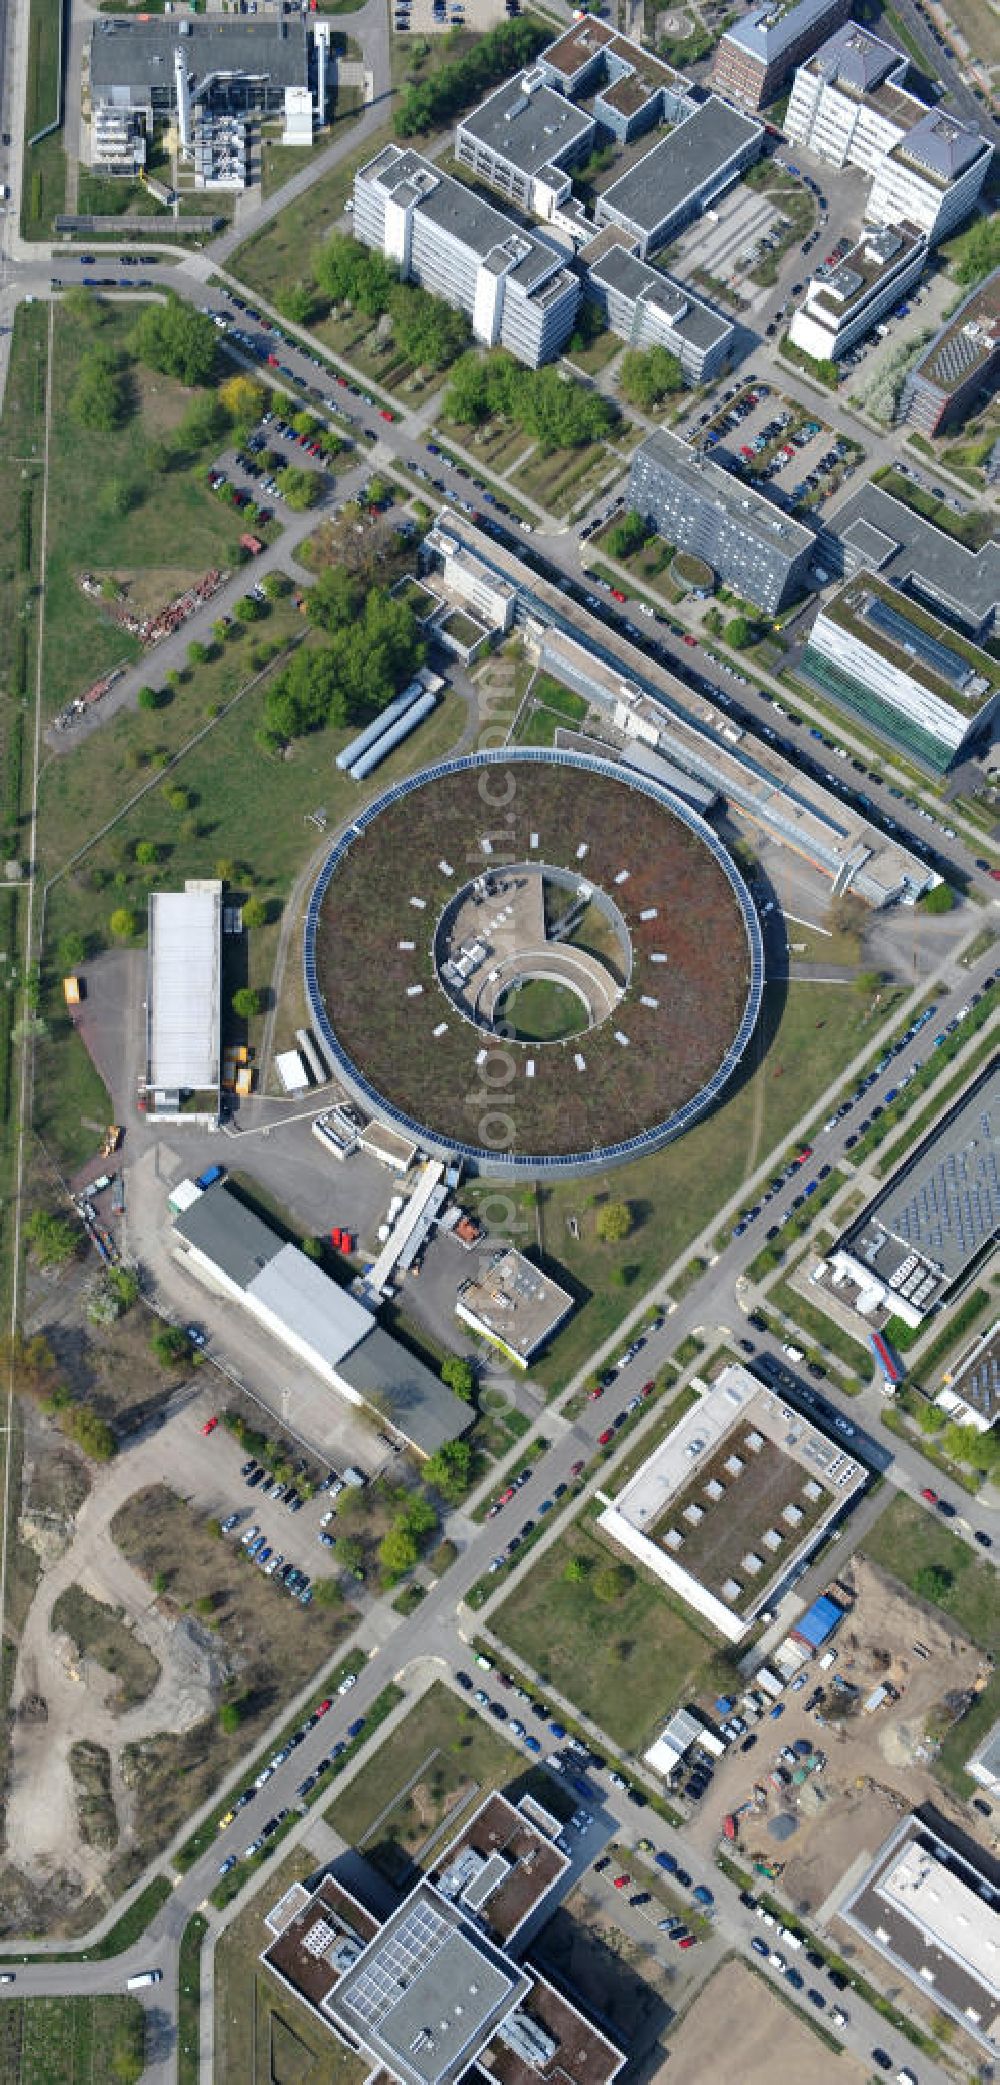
column 850, row 106
column 512, row 285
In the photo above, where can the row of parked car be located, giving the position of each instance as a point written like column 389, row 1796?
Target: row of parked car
column 298, row 1737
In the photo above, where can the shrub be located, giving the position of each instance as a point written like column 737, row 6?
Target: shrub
column 123, row 923
column 247, row 1002
column 614, row 1222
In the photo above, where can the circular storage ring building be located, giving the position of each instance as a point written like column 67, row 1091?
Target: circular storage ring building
column 536, row 960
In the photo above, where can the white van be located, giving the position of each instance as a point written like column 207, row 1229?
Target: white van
column 144, row 1977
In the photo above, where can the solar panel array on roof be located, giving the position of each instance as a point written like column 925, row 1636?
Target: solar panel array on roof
column 959, row 353
column 401, row 1958
column 955, row 1209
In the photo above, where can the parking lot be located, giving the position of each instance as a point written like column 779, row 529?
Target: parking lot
column 772, row 441
column 433, row 17
column 745, row 223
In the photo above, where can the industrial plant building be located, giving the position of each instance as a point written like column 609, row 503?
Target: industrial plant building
column 912, row 678
column 756, row 57
column 929, row 1904
column 512, row 285
column 181, row 1080
column 960, row 367
column 735, row 1499
column 237, row 1254
column 513, row 1305
column 851, row 106
column 196, row 71
column 697, row 505
column 438, row 1991
column 940, row 1213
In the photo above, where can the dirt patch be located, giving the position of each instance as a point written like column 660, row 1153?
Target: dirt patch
column 101, row 1633
column 775, row 2046
column 90, row 1766
column 878, row 1764
column 162, row 403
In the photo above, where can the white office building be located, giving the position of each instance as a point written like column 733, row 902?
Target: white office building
column 648, row 308
column 845, row 303
column 513, row 286
column 911, row 678
column 851, row 106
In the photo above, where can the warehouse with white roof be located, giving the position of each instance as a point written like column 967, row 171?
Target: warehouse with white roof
column 183, row 966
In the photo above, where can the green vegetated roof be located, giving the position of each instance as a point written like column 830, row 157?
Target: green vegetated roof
column 846, row 610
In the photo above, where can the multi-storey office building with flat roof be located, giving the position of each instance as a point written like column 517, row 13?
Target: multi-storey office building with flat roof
column 755, row 58
column 910, row 676
column 851, row 106
column 522, row 139
column 650, row 309
column 631, row 89
column 960, row 365
column 681, row 175
column 700, row 507
column 512, row 285
column 875, row 532
column 845, row 304
column 928, row 1904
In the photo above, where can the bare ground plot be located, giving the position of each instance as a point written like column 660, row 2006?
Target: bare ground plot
column 102, row 1633
column 775, row 2046
column 874, row 1769
column 264, row 2036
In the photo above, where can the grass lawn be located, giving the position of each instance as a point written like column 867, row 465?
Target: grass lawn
column 262, row 2033
column 99, row 1633
column 805, row 1035
column 174, row 528
column 593, row 358
column 497, row 445
column 560, row 478
column 627, row 1664
column 904, row 1540
column 70, row 2041
column 541, row 1011
column 432, row 1766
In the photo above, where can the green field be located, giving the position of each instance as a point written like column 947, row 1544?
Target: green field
column 625, row 1664
column 905, row 1540
column 806, row 1034
column 432, row 1766
column 541, row 1011
column 71, row 2041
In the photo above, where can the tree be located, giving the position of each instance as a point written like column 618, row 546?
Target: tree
column 247, row 1002
column 124, row 1286
column 123, row 923
column 628, row 536
column 614, row 1223
column 575, row 1570
column 933, row 1582
column 612, row 1583
column 53, row 1239
column 397, row 1553
column 649, row 375
column 83, row 1425
column 460, row 1377
column 739, row 633
column 334, row 599
column 977, row 252
column 449, row 1470
column 299, row 489
column 244, row 400
column 146, row 853
column 99, row 399
column 28, row 1364
column 148, row 698
column 171, row 1346
column 418, row 1516
column 255, row 913
column 349, row 1551
column 176, row 339
column 197, row 653
column 72, row 952
column 276, row 585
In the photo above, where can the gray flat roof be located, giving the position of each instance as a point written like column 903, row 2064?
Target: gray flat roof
column 182, row 991
column 416, row 1401
column 428, row 1992
column 944, row 1204
column 968, row 580
column 855, row 57
column 976, row 1380
column 690, row 156
column 236, row 1238
column 635, row 278
column 531, row 130
column 488, row 232
column 767, row 31
column 141, row 53
column 313, row 1307
column 751, row 509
